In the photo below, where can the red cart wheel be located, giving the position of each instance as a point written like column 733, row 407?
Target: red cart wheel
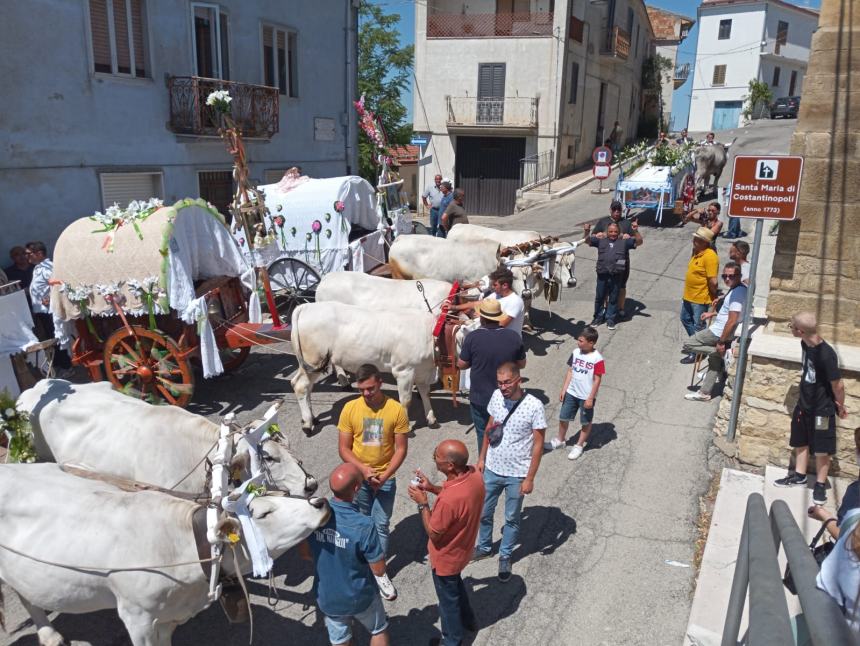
column 232, row 358
column 148, row 365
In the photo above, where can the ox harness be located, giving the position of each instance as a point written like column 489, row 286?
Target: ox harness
column 444, row 344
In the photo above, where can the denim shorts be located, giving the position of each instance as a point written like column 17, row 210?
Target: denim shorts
column 572, row 404
column 374, row 619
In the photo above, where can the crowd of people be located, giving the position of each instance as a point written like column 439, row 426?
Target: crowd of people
column 446, row 206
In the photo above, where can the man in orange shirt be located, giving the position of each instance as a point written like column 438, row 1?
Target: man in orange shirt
column 452, row 526
column 700, row 284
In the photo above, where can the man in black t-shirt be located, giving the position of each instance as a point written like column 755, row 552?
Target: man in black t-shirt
column 629, row 229
column 484, row 350
column 822, row 397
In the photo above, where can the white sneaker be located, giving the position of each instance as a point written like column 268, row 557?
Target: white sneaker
column 698, row 396
column 575, row 452
column 554, row 444
column 386, row 588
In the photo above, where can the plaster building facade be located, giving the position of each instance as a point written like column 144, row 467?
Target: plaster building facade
column 670, row 30
column 740, row 41
column 499, row 81
column 817, row 262
column 111, row 107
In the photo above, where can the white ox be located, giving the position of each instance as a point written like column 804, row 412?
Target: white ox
column 477, row 233
column 54, row 516
column 374, row 292
column 97, row 428
column 418, row 256
column 396, row 341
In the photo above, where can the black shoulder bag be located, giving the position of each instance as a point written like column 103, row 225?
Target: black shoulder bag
column 497, row 431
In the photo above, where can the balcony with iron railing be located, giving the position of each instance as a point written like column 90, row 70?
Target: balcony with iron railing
column 254, row 108
column 508, row 112
column 616, row 44
column 489, row 25
column 682, row 72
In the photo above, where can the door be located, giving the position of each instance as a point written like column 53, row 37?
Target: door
column 726, row 115
column 216, row 187
column 792, row 84
column 491, row 93
column 488, row 170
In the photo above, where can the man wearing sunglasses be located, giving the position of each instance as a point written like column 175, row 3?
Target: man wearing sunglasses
column 510, row 457
column 717, row 339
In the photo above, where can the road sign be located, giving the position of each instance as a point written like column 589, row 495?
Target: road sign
column 419, row 140
column 601, row 171
column 425, row 160
column 765, row 186
column 601, row 155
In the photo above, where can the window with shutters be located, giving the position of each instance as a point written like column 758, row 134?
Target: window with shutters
column 574, row 82
column 781, row 36
column 775, row 82
column 280, row 63
column 725, row 32
column 719, row 77
column 122, row 188
column 792, row 83
column 211, row 43
column 118, row 37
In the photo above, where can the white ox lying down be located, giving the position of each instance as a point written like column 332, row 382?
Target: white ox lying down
column 418, row 257
column 54, row 516
column 97, row 428
column 373, row 292
column 396, row 341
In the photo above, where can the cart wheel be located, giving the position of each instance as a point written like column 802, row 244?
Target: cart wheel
column 148, row 365
column 293, row 282
column 419, row 227
column 232, row 358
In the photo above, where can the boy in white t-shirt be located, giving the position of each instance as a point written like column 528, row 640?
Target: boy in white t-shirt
column 584, row 374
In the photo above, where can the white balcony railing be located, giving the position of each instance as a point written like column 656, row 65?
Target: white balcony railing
column 510, row 112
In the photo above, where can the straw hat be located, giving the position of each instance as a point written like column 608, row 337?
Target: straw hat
column 490, row 309
column 704, row 233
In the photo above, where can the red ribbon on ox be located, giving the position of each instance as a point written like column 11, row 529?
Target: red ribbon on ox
column 440, row 321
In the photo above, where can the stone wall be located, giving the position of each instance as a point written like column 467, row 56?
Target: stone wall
column 764, row 422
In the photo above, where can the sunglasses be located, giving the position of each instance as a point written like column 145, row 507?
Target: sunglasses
column 729, row 276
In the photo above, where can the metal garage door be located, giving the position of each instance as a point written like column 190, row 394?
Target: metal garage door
column 488, row 170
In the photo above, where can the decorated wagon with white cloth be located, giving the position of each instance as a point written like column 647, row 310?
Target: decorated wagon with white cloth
column 153, row 288
column 666, row 179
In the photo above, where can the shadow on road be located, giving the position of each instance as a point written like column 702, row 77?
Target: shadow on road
column 601, row 435
column 633, row 308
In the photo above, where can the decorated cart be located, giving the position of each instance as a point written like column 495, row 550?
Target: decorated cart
column 667, row 178
column 154, row 289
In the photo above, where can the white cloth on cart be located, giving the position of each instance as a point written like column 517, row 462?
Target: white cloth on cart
column 367, row 252
column 16, row 324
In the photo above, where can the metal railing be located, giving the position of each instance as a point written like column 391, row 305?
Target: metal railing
column 512, row 111
column 536, row 170
column 682, row 72
column 488, row 25
column 254, row 108
column 617, row 44
column 757, row 571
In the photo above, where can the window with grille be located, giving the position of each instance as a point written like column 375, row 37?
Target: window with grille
column 719, row 75
column 118, row 38
column 574, row 82
column 781, row 36
column 216, row 187
column 280, row 64
column 122, row 188
column 725, row 30
column 775, row 82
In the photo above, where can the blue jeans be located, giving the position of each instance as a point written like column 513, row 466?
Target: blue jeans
column 607, row 290
column 480, row 417
column 454, row 607
column 373, row 619
column 734, row 228
column 435, row 213
column 691, row 316
column 494, row 485
column 378, row 505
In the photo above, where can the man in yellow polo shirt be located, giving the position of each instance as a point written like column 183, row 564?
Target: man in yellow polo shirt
column 372, row 436
column 700, row 284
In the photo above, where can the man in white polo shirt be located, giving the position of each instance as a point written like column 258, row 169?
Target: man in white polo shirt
column 513, row 307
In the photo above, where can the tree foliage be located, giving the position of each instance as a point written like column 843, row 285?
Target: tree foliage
column 759, row 97
column 656, row 70
column 384, row 68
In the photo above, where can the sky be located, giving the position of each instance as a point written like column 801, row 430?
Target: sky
column 686, row 52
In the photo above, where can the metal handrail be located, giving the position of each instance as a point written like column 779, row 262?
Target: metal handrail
column 537, row 169
column 757, row 570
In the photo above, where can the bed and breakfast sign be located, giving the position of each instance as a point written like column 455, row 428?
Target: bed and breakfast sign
column 765, row 186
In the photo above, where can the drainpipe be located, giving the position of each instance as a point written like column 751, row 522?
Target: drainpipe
column 351, row 85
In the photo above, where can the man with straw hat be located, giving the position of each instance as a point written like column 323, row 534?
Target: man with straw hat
column 700, row 284
column 483, row 351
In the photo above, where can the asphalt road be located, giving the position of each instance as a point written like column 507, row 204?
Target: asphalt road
column 606, row 541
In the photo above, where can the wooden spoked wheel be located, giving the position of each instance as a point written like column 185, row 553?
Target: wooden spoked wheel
column 232, row 358
column 148, row 365
column 293, row 282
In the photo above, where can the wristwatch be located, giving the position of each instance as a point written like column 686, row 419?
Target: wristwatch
column 422, row 505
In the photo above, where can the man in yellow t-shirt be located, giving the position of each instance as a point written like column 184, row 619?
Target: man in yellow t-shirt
column 372, row 436
column 700, row 284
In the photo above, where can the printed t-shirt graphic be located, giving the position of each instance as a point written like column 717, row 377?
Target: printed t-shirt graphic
column 584, row 367
column 373, row 430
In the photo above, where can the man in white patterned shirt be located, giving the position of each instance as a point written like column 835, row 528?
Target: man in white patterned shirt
column 40, row 298
column 510, row 457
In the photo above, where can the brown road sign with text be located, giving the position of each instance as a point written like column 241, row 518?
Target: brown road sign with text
column 765, row 186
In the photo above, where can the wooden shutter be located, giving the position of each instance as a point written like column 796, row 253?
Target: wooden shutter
column 122, row 188
column 100, row 36
column 268, row 62
column 719, row 75
column 491, row 80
